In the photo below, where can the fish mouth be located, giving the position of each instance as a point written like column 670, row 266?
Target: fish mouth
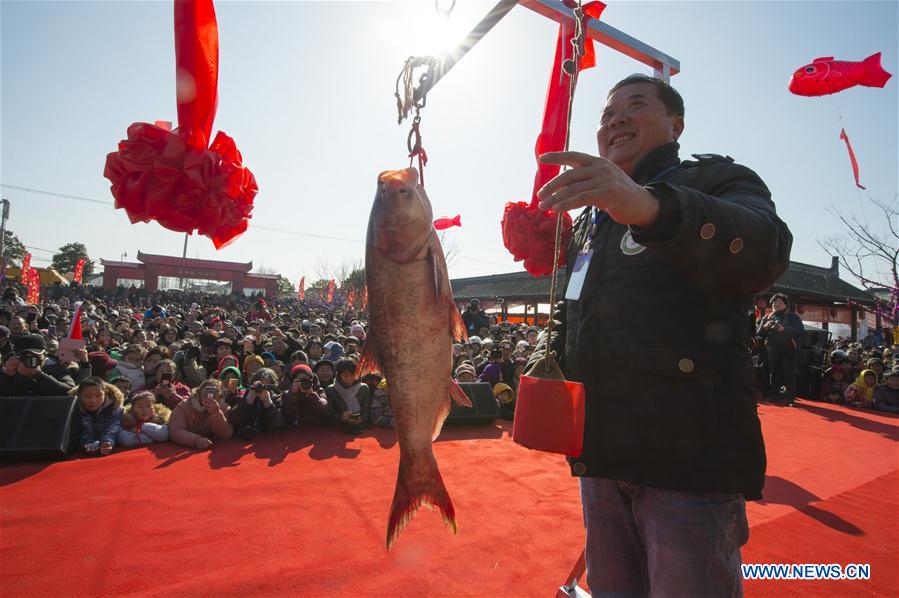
column 406, row 175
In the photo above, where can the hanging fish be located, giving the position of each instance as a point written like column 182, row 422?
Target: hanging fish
column 445, row 223
column 826, row 75
column 852, row 159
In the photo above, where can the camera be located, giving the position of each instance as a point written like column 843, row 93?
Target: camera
column 167, row 378
column 30, row 361
column 305, row 384
column 191, row 352
column 259, row 387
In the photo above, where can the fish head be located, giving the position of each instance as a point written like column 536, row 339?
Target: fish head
column 810, row 79
column 401, row 219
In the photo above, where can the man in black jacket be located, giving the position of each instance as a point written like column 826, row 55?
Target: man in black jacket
column 782, row 331
column 662, row 268
column 22, row 375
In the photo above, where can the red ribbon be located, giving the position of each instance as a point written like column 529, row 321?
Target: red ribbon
column 852, row 159
column 178, row 178
column 528, row 232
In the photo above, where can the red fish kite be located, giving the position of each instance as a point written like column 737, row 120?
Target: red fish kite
column 445, row 223
column 852, row 159
column 826, row 75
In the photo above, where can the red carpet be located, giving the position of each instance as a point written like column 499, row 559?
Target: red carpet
column 304, row 513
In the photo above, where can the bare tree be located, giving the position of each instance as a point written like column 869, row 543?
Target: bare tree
column 870, row 251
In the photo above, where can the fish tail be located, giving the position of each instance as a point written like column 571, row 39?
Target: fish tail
column 875, row 75
column 418, row 483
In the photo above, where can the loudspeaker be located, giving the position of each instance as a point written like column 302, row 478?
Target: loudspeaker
column 483, row 408
column 35, row 427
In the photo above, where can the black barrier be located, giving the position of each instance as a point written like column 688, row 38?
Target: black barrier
column 35, row 427
column 483, row 408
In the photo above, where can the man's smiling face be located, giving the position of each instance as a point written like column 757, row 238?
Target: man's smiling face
column 634, row 122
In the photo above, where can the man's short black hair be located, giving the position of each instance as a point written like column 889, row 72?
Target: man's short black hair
column 673, row 101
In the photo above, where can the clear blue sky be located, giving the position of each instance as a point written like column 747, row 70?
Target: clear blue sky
column 306, row 90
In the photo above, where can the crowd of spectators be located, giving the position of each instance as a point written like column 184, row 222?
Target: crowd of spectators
column 196, row 369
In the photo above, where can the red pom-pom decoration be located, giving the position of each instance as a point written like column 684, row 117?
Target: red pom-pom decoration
column 175, row 177
column 529, row 234
column 157, row 176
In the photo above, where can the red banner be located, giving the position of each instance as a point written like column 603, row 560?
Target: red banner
column 351, row 299
column 301, row 291
column 79, row 271
column 25, row 274
column 34, row 287
column 330, row 291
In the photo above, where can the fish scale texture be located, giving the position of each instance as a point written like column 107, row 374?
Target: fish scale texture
column 304, row 513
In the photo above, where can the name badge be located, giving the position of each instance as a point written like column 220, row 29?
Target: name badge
column 578, row 274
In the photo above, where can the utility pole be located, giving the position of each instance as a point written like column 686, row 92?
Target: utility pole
column 3, row 229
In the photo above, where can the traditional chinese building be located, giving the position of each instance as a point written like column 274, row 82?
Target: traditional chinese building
column 817, row 294
column 161, row 272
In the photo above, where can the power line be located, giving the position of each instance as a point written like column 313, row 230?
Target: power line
column 252, row 225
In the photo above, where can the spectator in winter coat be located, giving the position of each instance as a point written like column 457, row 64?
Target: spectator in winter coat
column 833, row 385
column 259, row 410
column 349, row 399
column 23, row 376
column 97, row 418
column 886, row 396
column 782, row 331
column 196, row 421
column 144, row 421
column 505, row 400
column 493, row 371
column 132, row 366
column 861, row 392
column 465, row 372
column 165, row 387
column 304, row 405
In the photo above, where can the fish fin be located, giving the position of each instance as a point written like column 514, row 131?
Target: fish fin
column 457, row 324
column 418, row 483
column 875, row 75
column 370, row 360
column 442, row 414
column 442, row 289
column 822, row 59
column 457, row 221
column 458, row 394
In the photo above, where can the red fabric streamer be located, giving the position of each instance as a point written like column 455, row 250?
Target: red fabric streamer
column 364, row 305
column 176, row 177
column 25, row 272
column 852, row 159
column 528, row 232
column 330, row 298
column 351, row 299
column 301, row 292
column 79, row 271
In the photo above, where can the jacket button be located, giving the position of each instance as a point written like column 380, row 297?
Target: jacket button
column 707, row 231
column 736, row 246
column 579, row 468
column 685, row 365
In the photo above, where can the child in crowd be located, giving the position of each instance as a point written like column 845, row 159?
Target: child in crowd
column 196, row 421
column 380, row 407
column 861, row 392
column 465, row 372
column 144, row 421
column 97, row 418
column 131, row 366
column 493, row 372
column 886, row 396
column 833, row 385
column 505, row 400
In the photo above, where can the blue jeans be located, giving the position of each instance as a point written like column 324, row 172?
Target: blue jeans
column 644, row 541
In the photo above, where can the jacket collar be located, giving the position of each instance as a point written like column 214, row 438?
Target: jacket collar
column 657, row 160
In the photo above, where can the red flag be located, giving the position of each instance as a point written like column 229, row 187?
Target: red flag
column 851, row 157
column 364, row 297
column 75, row 326
column 301, row 293
column 351, row 299
column 330, row 291
column 79, row 271
column 34, row 288
column 25, row 274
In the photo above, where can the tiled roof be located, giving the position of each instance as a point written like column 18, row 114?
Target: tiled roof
column 168, row 260
column 800, row 280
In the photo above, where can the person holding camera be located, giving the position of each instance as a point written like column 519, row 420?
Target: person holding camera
column 260, row 408
column 165, row 386
column 22, row 375
column 782, row 331
column 304, row 405
column 195, row 422
column 349, row 398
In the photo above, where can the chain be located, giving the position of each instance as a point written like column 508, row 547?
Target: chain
column 571, row 67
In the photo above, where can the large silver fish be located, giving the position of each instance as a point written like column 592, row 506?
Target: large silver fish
column 412, row 324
